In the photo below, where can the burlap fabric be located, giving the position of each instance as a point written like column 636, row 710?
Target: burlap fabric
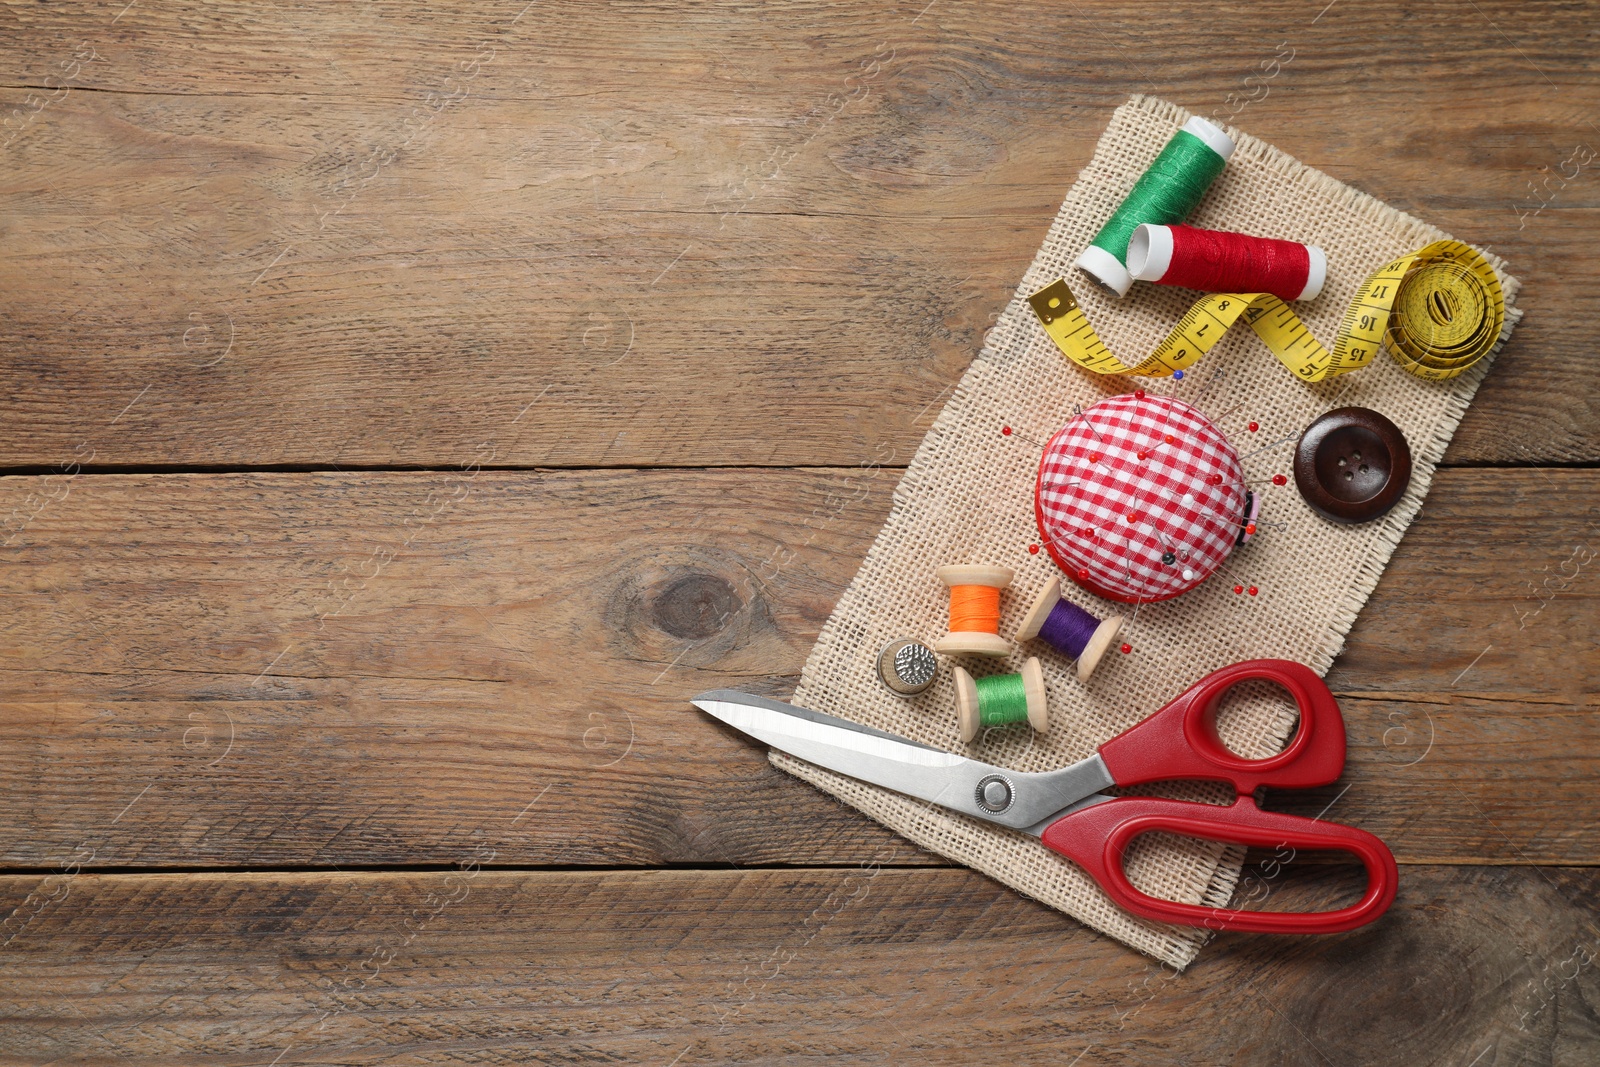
column 968, row 498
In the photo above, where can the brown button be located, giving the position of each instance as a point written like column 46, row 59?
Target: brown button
column 1352, row 465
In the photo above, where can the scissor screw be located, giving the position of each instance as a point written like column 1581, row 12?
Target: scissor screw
column 995, row 794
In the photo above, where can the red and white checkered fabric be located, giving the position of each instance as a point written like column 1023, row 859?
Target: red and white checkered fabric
column 1134, row 479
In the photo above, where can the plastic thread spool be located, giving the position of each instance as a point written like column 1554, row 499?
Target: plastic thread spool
column 974, row 610
column 1216, row 261
column 1069, row 629
column 1164, row 194
column 1001, row 699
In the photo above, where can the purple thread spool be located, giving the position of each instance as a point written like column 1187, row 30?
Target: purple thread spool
column 1069, row 629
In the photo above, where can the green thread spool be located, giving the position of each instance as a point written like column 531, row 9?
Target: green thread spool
column 1001, row 700
column 1165, row 194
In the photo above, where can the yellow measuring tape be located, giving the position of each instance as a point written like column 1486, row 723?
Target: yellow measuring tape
column 1438, row 310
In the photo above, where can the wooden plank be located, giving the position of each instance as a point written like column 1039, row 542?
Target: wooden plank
column 1471, row 673
column 362, row 669
column 869, row 964
column 285, row 661
column 764, row 235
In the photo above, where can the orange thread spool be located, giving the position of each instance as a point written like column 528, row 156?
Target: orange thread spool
column 974, row 610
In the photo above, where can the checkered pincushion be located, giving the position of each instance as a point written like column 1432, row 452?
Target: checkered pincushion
column 1140, row 498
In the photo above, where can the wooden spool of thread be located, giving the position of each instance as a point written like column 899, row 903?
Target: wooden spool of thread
column 974, row 610
column 1069, row 629
column 1001, row 699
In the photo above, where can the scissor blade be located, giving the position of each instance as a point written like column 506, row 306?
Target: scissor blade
column 798, row 712
column 942, row 778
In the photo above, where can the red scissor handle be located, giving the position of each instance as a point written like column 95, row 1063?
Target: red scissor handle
column 1097, row 837
column 1180, row 740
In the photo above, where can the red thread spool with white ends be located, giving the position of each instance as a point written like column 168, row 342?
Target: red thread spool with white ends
column 1215, row 261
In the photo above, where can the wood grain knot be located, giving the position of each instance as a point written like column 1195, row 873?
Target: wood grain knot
column 686, row 608
column 695, row 606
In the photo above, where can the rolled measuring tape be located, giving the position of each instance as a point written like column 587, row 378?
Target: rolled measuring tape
column 1438, row 311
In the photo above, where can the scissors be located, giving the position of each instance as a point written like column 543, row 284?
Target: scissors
column 1067, row 811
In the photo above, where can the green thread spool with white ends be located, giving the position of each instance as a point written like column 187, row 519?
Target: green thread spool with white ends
column 1163, row 195
column 1000, row 700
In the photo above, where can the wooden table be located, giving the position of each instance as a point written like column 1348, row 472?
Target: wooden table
column 408, row 407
